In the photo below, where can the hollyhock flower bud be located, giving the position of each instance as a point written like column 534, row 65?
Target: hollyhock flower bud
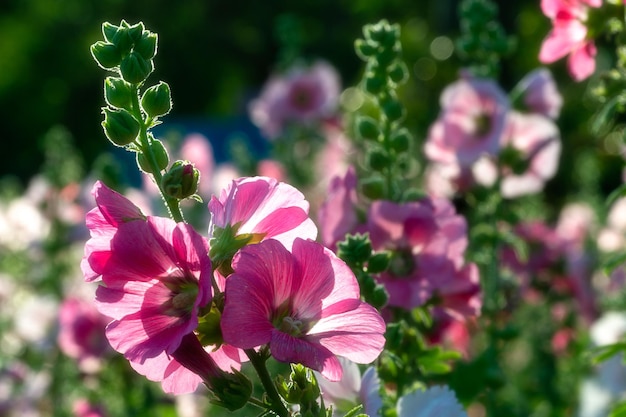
column 160, row 155
column 156, row 100
column 109, row 30
column 146, row 46
column 117, row 93
column 134, row 68
column 106, row 55
column 304, row 305
column 120, row 127
column 181, row 180
column 471, row 122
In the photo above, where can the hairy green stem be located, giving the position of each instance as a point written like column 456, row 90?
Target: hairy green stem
column 258, row 362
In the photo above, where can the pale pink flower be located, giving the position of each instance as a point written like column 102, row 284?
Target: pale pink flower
column 302, row 95
column 428, row 241
column 436, row 401
column 471, row 121
column 197, row 149
column 536, row 142
column 263, row 208
column 112, row 210
column 305, row 305
column 156, row 279
column 272, row 169
column 337, row 215
column 569, row 36
column 81, row 332
column 540, row 93
column 352, row 389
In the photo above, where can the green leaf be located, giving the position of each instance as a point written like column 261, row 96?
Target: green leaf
column 613, row 262
column 619, row 410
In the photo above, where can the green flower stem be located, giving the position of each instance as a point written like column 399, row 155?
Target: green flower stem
column 173, row 205
column 258, row 362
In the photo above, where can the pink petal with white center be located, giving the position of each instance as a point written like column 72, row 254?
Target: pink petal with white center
column 286, row 348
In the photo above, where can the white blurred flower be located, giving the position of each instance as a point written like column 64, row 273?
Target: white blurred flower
column 436, row 401
column 608, row 383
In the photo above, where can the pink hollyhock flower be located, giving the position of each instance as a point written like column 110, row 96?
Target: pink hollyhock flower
column 472, row 119
column 428, row 241
column 305, row 305
column 352, row 389
column 337, row 215
column 81, row 332
column 540, row 94
column 262, row 208
column 436, row 401
column 569, row 36
column 302, row 95
column 532, row 141
column 156, row 279
column 112, row 210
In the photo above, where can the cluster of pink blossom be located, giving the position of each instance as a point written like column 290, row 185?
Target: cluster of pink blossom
column 275, row 287
column 426, row 238
column 479, row 140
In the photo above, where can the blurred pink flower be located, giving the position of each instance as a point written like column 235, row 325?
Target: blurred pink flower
column 81, row 332
column 352, row 389
column 264, row 208
column 197, row 149
column 536, row 143
column 569, row 36
column 436, row 401
column 113, row 209
column 306, row 305
column 428, row 241
column 337, row 214
column 302, row 95
column 83, row 408
column 540, row 93
column 272, row 169
column 157, row 278
column 471, row 121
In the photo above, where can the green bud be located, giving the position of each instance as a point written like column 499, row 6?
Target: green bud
column 106, row 55
column 122, row 39
column 355, row 250
column 181, row 181
column 109, row 30
column 135, row 68
column 413, row 194
column 147, row 45
column 231, row 391
column 374, row 83
column 398, row 73
column 378, row 262
column 156, row 100
column 160, row 155
column 118, row 93
column 367, row 128
column 392, row 108
column 364, row 49
column 373, row 188
column 379, row 297
column 378, row 159
column 400, row 140
column 135, row 31
column 120, row 126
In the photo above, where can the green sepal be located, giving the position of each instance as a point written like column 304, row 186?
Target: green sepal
column 118, row 93
column 160, row 155
column 135, row 68
column 156, row 100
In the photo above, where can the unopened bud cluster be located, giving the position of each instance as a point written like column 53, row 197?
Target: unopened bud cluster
column 386, row 142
